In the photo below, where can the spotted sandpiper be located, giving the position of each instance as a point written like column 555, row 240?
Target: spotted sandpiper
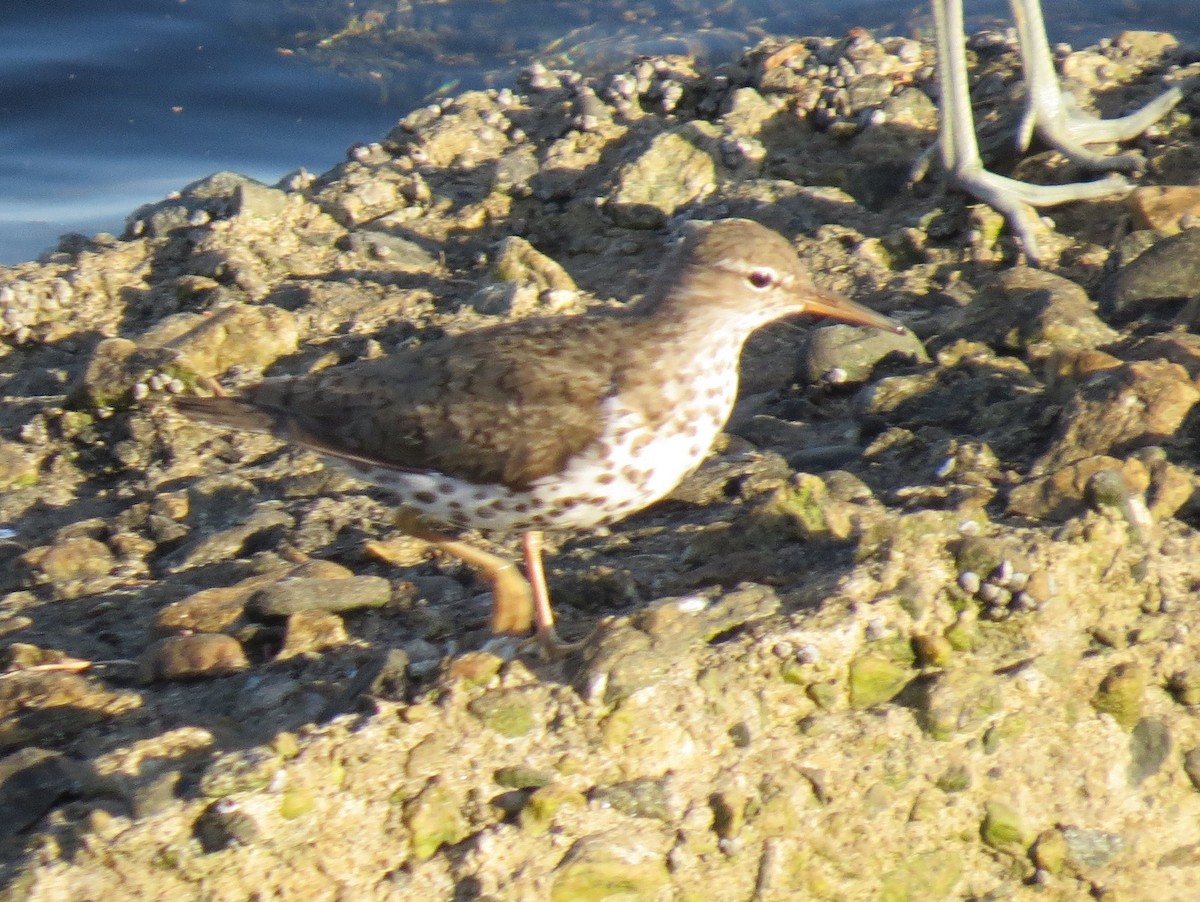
column 565, row 422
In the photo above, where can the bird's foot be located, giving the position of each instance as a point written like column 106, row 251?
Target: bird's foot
column 1017, row 201
column 549, row 647
column 1060, row 122
column 512, row 596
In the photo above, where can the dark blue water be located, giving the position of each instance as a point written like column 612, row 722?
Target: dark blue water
column 108, row 104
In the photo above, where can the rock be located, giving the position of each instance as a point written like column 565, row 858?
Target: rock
column 540, row 808
column 224, row 825
column 1191, row 766
column 605, row 866
column 196, row 657
column 956, row 701
column 1161, row 207
column 227, row 543
column 524, row 281
column 637, row 798
column 32, row 780
column 846, row 354
column 1121, row 694
column 312, row 631
column 1064, row 493
column 209, row 610
column 391, row 250
column 1142, row 403
column 72, row 566
column 433, row 818
column 17, row 468
column 1003, row 828
column 1168, row 271
column 37, row 705
column 1149, row 746
column 243, row 335
column 508, row 712
column 291, row 596
column 672, row 171
column 875, row 679
column 1028, row 308
column 243, row 771
column 217, row 196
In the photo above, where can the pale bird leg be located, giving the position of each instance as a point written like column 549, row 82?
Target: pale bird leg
column 1047, row 112
column 543, row 615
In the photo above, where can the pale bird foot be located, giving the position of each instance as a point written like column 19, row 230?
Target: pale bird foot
column 1068, row 129
column 1049, row 111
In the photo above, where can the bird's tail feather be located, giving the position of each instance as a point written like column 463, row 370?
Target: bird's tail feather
column 228, row 412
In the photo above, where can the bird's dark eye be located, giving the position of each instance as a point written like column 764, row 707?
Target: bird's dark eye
column 761, row 278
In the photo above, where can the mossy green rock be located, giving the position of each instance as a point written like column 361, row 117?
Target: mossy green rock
column 1121, row 694
column 537, row 814
column 434, row 819
column 506, row 712
column 1003, row 828
column 927, row 878
column 875, row 679
column 610, row 868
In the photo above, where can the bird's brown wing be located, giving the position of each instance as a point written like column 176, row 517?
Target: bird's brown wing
column 506, row 404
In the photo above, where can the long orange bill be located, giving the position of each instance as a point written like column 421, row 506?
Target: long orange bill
column 820, row 302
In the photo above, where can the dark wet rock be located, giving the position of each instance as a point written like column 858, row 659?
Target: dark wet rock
column 847, row 354
column 1140, row 404
column 196, row 657
column 1167, row 271
column 71, row 567
column 225, row 824
column 32, row 780
column 1027, row 308
column 291, row 596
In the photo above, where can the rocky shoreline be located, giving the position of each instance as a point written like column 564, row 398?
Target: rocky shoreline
column 923, row 628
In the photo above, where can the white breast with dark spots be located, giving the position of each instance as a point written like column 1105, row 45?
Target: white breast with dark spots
column 632, row 464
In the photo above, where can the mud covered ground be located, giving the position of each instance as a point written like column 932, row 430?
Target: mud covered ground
column 922, row 627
